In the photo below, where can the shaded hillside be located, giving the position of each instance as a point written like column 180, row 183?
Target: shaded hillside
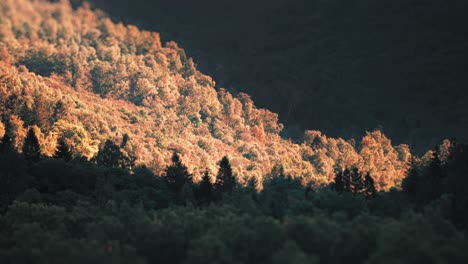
column 337, row 66
column 77, row 76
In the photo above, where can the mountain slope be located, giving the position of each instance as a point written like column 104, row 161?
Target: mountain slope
column 338, row 66
column 76, row 74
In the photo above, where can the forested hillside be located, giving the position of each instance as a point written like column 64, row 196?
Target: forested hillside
column 337, row 66
column 76, row 75
column 114, row 148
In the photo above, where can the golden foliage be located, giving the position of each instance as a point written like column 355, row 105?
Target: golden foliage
column 104, row 80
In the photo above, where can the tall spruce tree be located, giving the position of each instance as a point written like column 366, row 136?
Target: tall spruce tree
column 176, row 175
column 63, row 151
column 111, row 156
column 225, row 180
column 31, row 147
column 339, row 184
column 205, row 189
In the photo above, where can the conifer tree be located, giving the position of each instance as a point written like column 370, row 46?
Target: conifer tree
column 225, row 181
column 357, row 184
column 110, row 156
column 31, row 147
column 63, row 151
column 369, row 184
column 205, row 190
column 339, row 184
column 5, row 144
column 346, row 180
column 176, row 175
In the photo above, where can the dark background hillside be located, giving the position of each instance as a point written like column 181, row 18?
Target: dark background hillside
column 337, row 66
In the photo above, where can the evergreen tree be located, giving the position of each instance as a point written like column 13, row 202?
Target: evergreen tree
column 63, row 151
column 125, row 140
column 339, row 184
column 225, row 181
column 176, row 175
column 346, row 180
column 5, row 144
column 110, row 156
column 128, row 160
column 205, row 189
column 31, row 147
column 369, row 185
column 357, row 182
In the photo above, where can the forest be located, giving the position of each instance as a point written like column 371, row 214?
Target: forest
column 338, row 66
column 115, row 148
column 107, row 210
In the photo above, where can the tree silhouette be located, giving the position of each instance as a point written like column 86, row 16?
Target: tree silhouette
column 111, row 156
column 369, row 185
column 176, row 175
column 339, row 184
column 5, row 144
column 352, row 180
column 357, row 182
column 346, row 180
column 205, row 189
column 225, row 181
column 63, row 151
column 31, row 147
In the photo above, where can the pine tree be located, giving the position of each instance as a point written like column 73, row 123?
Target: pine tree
column 225, row 181
column 205, row 189
column 176, row 175
column 369, row 184
column 339, row 184
column 5, row 144
column 31, row 147
column 63, row 151
column 357, row 184
column 110, row 156
column 346, row 180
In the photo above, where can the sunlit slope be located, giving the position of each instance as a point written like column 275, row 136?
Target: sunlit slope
column 78, row 75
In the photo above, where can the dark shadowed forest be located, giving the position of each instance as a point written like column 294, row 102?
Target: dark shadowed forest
column 116, row 148
column 107, row 210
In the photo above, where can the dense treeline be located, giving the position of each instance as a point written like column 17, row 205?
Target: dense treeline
column 56, row 210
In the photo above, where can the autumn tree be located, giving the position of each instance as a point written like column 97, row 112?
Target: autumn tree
column 176, row 175
column 31, row 147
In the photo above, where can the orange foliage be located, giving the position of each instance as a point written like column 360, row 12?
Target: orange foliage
column 106, row 80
